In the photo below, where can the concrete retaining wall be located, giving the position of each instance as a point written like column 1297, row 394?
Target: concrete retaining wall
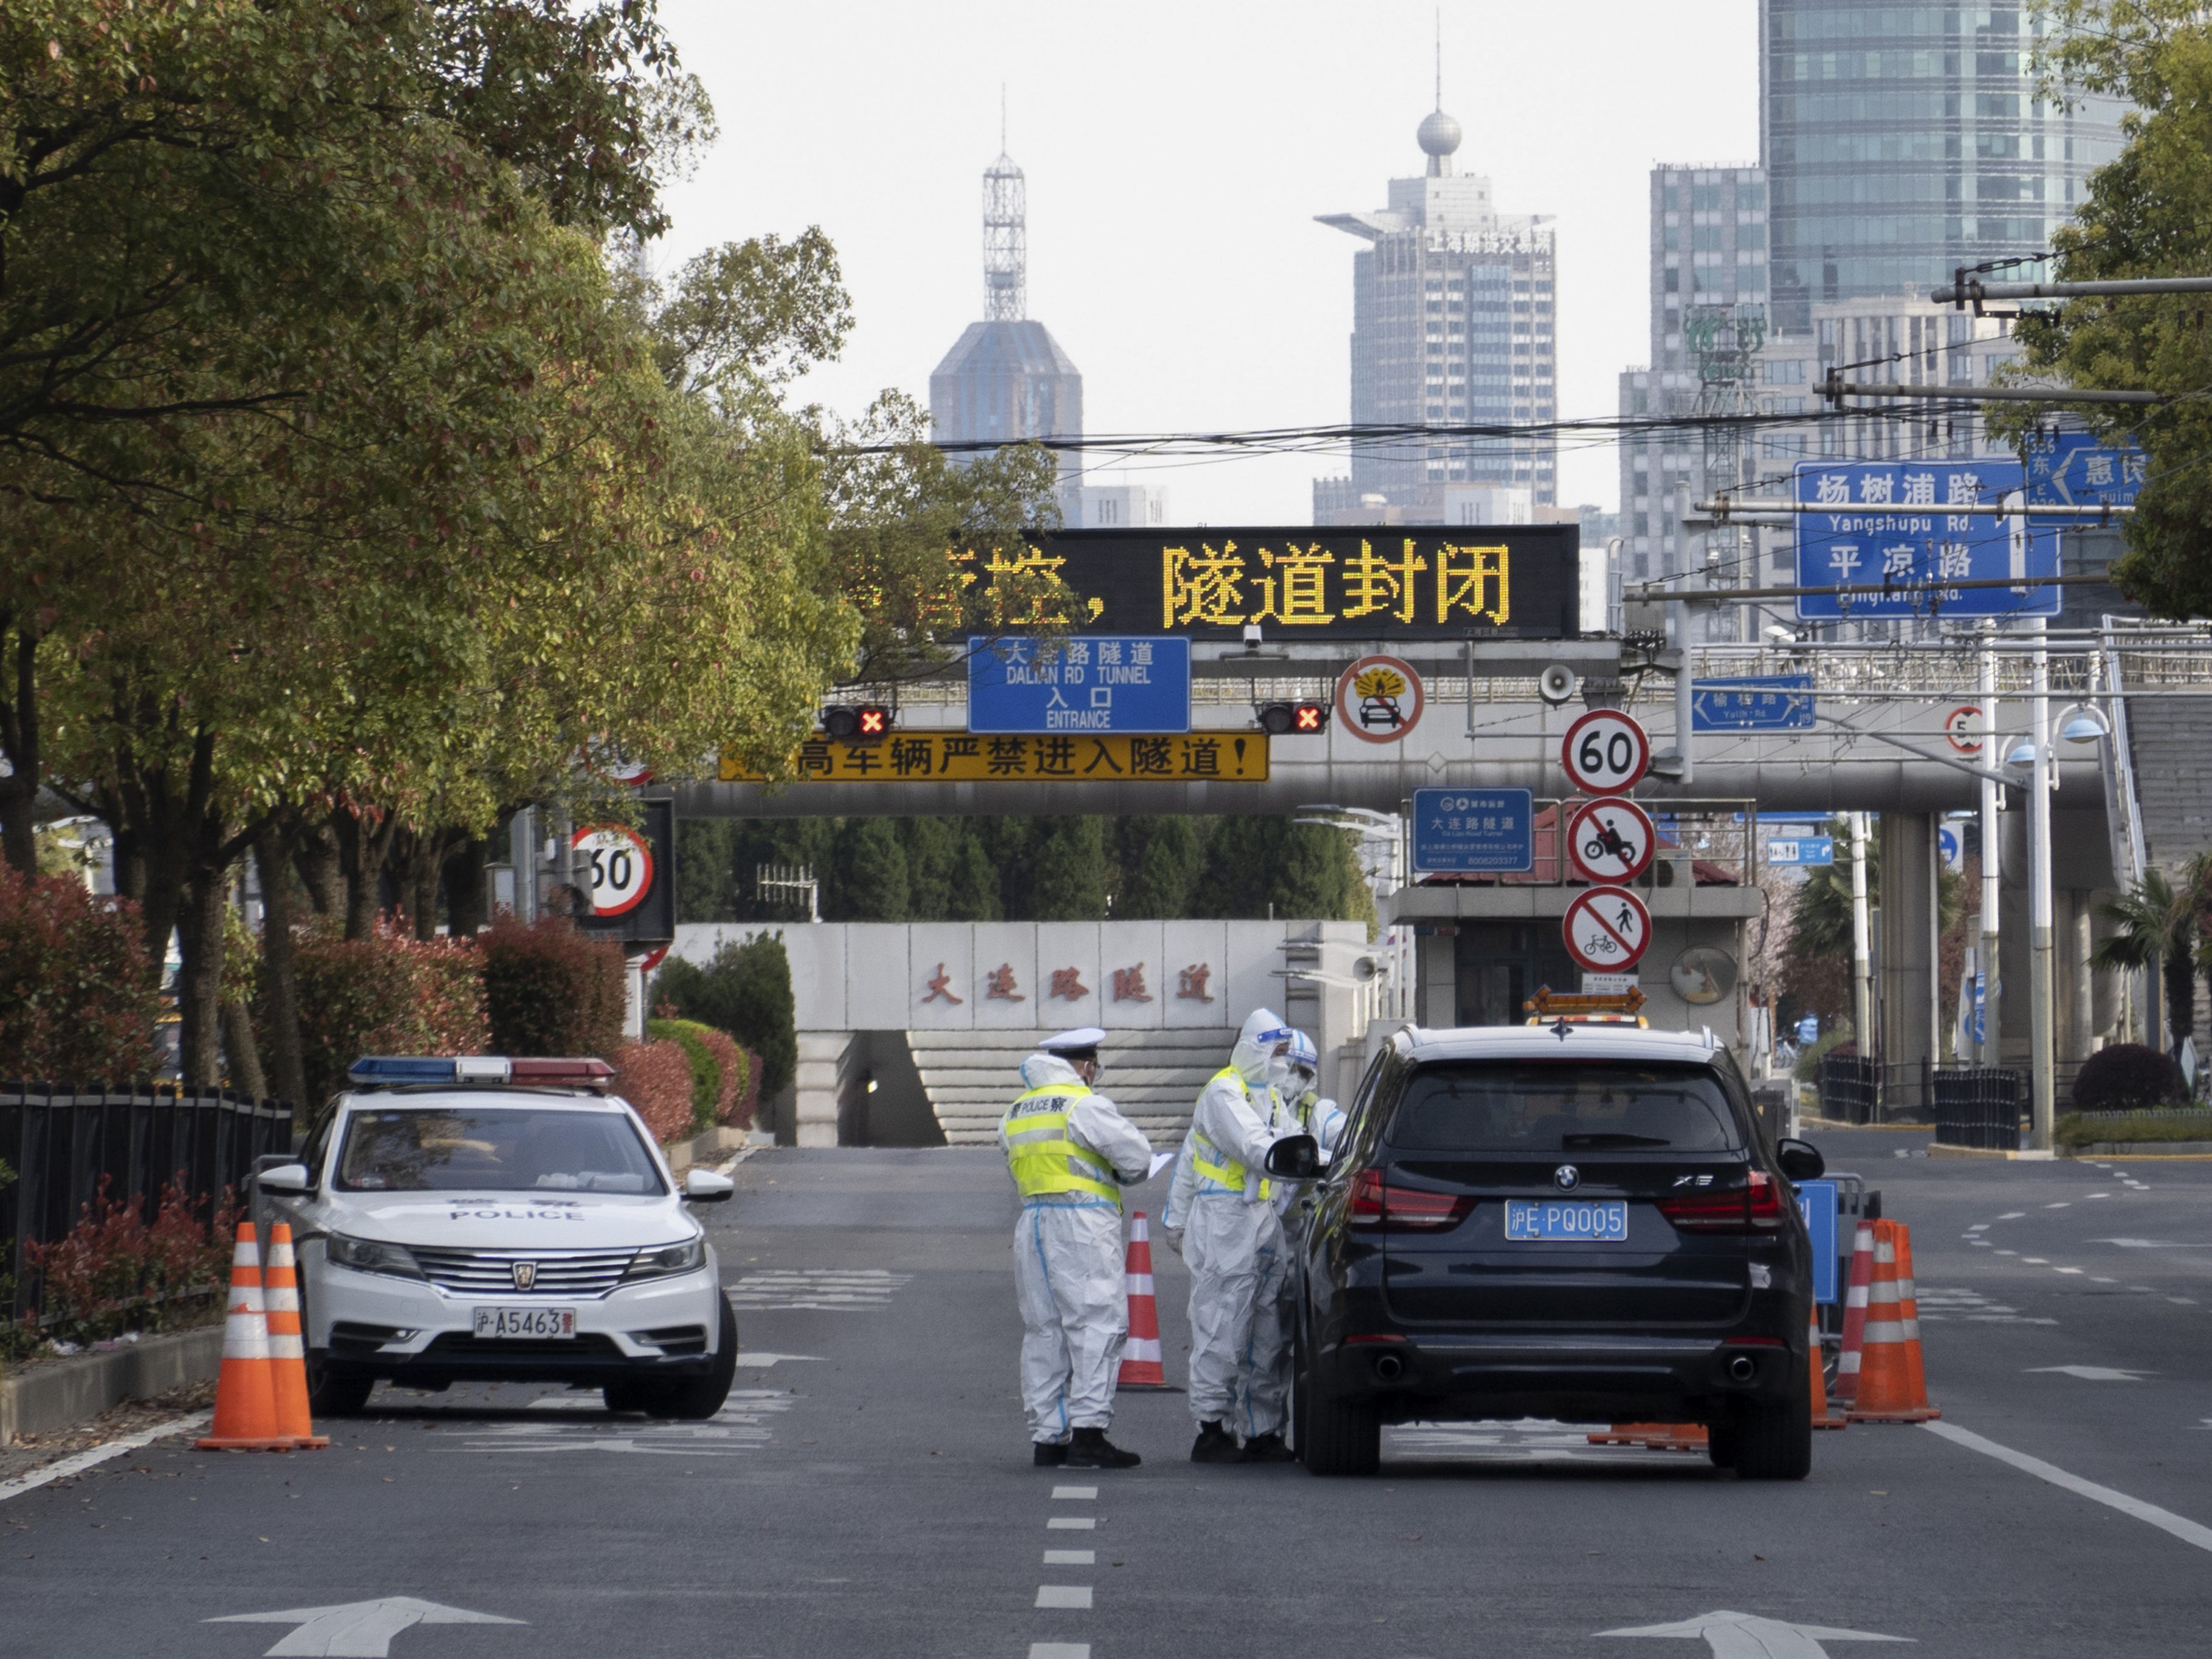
column 62, row 1392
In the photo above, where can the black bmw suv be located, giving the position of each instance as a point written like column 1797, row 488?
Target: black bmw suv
column 1577, row 1221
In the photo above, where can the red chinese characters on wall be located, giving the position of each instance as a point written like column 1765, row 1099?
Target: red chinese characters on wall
column 1067, row 982
column 1129, row 985
column 940, row 987
column 1190, row 983
column 999, row 984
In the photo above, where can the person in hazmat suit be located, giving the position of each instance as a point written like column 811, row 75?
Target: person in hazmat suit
column 1300, row 1109
column 1221, row 1215
column 1070, row 1152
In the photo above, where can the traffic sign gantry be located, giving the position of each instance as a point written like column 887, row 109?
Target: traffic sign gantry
column 1605, row 751
column 1610, row 839
column 1607, row 929
column 621, row 865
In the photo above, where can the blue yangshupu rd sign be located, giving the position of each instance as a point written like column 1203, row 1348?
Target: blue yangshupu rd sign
column 1880, row 535
column 1088, row 684
column 1473, row 831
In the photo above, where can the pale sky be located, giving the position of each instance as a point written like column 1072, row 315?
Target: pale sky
column 1175, row 155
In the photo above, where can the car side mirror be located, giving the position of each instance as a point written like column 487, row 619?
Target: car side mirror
column 705, row 1186
column 1295, row 1158
column 1800, row 1160
column 286, row 1181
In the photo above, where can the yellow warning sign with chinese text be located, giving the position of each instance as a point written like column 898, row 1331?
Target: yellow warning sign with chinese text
column 959, row 758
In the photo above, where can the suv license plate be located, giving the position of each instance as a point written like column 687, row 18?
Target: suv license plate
column 1555, row 1220
column 548, row 1324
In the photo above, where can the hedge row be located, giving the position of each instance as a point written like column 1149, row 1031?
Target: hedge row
column 76, row 1000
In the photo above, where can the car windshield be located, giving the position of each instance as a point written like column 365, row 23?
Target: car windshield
column 498, row 1149
column 1543, row 1109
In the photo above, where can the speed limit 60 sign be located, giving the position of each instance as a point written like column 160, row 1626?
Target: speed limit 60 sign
column 615, row 866
column 630, row 877
column 1605, row 751
column 1607, row 929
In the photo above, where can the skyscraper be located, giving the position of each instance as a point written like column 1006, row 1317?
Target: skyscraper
column 1452, row 325
column 1903, row 141
column 1005, row 378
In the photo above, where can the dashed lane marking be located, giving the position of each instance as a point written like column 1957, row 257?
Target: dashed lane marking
column 1063, row 1595
column 2089, row 1373
column 741, row 1426
column 1060, row 1493
column 2189, row 1531
column 2063, row 1204
column 1070, row 1523
column 2037, row 1260
column 762, row 1361
column 1071, row 1558
column 1941, row 1302
column 2013, row 1215
column 826, row 1288
column 1059, row 1651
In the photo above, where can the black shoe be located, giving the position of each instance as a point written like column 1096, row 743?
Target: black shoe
column 1215, row 1444
column 1092, row 1449
column 1269, row 1449
column 1047, row 1454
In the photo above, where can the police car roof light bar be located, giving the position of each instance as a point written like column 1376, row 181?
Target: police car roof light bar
column 391, row 1070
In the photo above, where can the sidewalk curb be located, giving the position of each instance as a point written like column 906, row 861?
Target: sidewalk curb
column 1936, row 1149
column 62, row 1392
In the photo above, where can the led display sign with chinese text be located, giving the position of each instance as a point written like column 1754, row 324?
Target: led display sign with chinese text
column 1379, row 582
column 960, row 757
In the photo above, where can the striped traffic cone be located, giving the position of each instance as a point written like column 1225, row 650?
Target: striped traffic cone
column 1659, row 1437
column 244, row 1394
column 1819, row 1395
column 1855, row 1315
column 288, row 1357
column 1908, row 1314
column 1141, row 1353
column 1886, row 1393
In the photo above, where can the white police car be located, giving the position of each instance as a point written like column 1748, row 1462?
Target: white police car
column 490, row 1219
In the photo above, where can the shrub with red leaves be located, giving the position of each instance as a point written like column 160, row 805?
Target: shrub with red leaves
column 77, row 1002
column 655, row 1078
column 549, row 990
column 388, row 994
column 112, row 1273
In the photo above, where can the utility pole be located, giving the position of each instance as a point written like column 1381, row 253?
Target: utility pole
column 2042, row 1057
column 1862, row 954
column 1985, row 964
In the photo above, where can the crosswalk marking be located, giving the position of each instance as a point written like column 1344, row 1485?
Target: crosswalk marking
column 830, row 1289
column 741, row 1426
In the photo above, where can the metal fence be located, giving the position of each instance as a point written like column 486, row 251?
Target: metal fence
column 1977, row 1106
column 1850, row 1089
column 60, row 1138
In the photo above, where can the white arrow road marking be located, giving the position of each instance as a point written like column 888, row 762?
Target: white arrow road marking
column 357, row 1630
column 2091, row 1373
column 2188, row 1531
column 1747, row 1636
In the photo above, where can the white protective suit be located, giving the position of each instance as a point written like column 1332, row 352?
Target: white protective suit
column 1233, row 1235
column 1069, row 1274
column 1306, row 1112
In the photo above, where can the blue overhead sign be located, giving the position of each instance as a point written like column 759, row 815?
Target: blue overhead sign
column 1802, row 849
column 1473, row 831
column 1089, row 684
column 1880, row 534
column 2076, row 468
column 1770, row 702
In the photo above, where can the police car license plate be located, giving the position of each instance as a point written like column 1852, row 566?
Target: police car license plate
column 1561, row 1221
column 547, row 1323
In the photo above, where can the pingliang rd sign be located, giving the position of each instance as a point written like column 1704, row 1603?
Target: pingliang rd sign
column 1377, row 582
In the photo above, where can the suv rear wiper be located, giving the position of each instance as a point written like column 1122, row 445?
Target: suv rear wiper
column 1608, row 1138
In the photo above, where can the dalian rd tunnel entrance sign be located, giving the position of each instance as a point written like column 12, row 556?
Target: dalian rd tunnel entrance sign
column 1380, row 582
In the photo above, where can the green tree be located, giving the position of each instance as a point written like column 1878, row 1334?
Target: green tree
column 872, row 882
column 932, row 851
column 972, row 892
column 2147, row 214
column 2160, row 922
column 1161, row 867
column 706, row 865
column 1068, row 870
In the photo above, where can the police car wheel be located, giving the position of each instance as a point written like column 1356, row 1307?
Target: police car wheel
column 331, row 1395
column 692, row 1399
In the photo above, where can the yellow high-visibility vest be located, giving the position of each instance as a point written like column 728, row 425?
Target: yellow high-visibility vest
column 1045, row 1160
column 1216, row 1165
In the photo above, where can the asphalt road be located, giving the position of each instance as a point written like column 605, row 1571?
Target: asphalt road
column 868, row 1492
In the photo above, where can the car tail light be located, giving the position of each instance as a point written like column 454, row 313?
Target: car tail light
column 1374, row 1203
column 1753, row 1208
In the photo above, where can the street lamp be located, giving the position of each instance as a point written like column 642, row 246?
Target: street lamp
column 2077, row 723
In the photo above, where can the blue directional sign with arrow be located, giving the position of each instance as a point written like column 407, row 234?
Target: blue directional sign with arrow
column 1770, row 702
column 1879, row 531
column 2075, row 469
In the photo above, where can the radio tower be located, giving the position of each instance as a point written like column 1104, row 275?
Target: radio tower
column 1005, row 235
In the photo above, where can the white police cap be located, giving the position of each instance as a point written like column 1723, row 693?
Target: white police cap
column 1082, row 1039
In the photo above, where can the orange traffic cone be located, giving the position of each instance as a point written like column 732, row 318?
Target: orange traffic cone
column 244, row 1394
column 1855, row 1315
column 1659, row 1437
column 1819, row 1387
column 288, row 1357
column 1908, row 1315
column 1887, row 1392
column 1141, row 1353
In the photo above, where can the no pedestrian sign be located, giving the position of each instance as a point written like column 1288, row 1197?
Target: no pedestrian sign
column 1607, row 929
column 967, row 758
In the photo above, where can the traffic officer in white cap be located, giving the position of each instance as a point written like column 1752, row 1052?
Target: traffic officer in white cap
column 1070, row 1152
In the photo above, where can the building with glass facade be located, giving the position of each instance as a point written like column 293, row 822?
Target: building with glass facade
column 1452, row 325
column 1901, row 141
